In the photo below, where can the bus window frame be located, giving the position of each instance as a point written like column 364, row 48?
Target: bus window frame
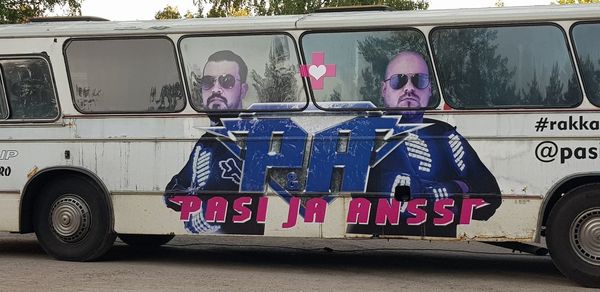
column 3, row 96
column 579, row 67
column 44, row 57
column 233, row 112
column 516, row 24
column 385, row 110
column 125, row 37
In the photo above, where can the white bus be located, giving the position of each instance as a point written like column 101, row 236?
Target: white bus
column 477, row 124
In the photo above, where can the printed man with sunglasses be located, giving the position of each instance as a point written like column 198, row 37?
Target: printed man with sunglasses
column 436, row 162
column 223, row 83
column 212, row 170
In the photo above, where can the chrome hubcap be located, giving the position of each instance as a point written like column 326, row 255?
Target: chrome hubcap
column 585, row 236
column 70, row 218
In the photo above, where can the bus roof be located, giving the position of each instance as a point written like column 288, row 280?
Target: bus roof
column 451, row 16
column 312, row 21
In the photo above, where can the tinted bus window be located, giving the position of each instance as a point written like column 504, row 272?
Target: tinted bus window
column 350, row 67
column 29, row 89
column 586, row 38
column 125, row 75
column 243, row 72
column 505, row 67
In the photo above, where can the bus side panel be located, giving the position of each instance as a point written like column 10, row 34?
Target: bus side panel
column 9, row 211
column 136, row 167
column 515, row 220
column 24, row 161
column 144, row 213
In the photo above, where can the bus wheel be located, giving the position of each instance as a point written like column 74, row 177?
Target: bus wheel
column 573, row 235
column 146, row 240
column 72, row 220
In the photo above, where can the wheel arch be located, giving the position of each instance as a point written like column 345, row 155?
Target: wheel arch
column 32, row 189
column 561, row 187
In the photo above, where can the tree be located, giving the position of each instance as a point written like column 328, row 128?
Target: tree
column 534, row 95
column 19, row 11
column 168, row 12
column 221, row 8
column 478, row 76
column 199, row 12
column 573, row 89
column 239, row 12
column 188, row 14
column 572, row 2
column 591, row 74
column 280, row 82
column 554, row 90
column 335, row 96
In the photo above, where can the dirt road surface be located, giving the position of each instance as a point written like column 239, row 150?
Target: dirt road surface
column 269, row 264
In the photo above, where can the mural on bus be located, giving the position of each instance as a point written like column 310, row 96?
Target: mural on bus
column 372, row 161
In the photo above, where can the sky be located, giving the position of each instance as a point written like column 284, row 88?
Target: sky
column 146, row 9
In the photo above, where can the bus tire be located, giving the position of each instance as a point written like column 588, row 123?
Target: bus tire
column 72, row 219
column 573, row 235
column 146, row 240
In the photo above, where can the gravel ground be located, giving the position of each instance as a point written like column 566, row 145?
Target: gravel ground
column 261, row 264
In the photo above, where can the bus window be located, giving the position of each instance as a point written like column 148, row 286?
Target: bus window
column 243, row 72
column 3, row 102
column 355, row 65
column 505, row 67
column 586, row 37
column 125, row 75
column 29, row 89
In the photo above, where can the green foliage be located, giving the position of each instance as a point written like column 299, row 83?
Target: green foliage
column 480, row 75
column 222, row 8
column 280, row 83
column 199, row 12
column 172, row 12
column 189, row 14
column 472, row 72
column 286, row 7
column 335, row 96
column 554, row 90
column 573, row 89
column 591, row 79
column 571, row 2
column 168, row 12
column 534, row 94
column 19, row 11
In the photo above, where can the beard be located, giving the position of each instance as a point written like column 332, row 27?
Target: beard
column 216, row 102
column 409, row 100
column 409, row 105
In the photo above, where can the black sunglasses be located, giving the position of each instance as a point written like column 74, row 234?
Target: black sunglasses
column 227, row 81
column 419, row 80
